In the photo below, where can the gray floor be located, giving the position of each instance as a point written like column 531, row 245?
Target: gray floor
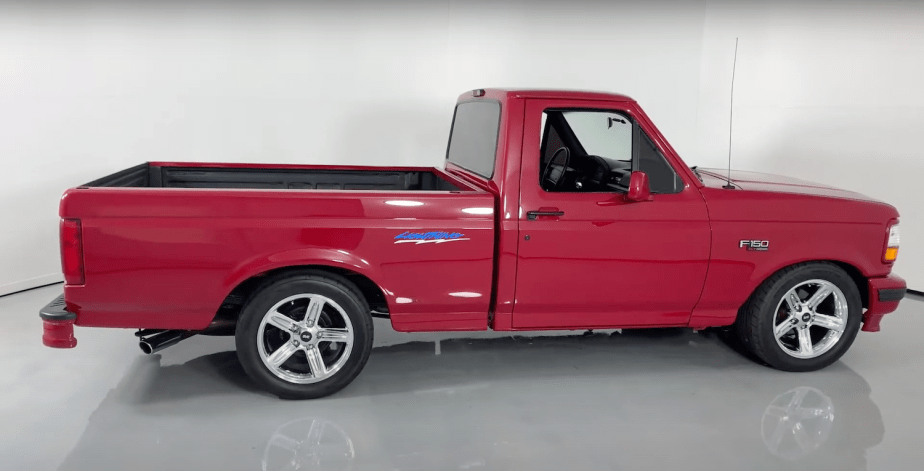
column 637, row 400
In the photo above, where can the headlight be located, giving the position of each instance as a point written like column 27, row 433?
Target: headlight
column 891, row 251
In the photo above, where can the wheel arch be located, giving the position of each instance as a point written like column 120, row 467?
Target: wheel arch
column 859, row 279
column 751, row 329
column 226, row 316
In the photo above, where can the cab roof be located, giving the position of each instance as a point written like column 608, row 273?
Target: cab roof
column 550, row 93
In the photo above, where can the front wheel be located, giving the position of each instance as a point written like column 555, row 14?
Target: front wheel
column 304, row 336
column 802, row 318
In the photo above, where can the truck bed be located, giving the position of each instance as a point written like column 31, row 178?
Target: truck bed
column 167, row 244
column 248, row 176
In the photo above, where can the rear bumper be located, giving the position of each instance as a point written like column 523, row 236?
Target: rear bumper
column 58, row 324
column 884, row 296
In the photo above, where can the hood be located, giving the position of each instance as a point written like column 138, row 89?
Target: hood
column 755, row 181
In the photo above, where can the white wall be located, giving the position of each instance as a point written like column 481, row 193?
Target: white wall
column 826, row 93
column 88, row 89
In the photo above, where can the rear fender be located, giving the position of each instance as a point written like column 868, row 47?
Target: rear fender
column 318, row 256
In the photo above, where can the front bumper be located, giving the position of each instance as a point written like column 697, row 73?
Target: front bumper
column 884, row 294
column 58, row 324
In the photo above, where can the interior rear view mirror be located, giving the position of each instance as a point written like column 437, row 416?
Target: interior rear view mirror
column 639, row 189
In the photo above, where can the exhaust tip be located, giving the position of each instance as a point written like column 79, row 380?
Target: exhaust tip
column 162, row 340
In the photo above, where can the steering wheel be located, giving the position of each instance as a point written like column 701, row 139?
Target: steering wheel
column 553, row 177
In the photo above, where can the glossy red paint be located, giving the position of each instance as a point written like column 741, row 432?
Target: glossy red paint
column 607, row 260
column 507, row 202
column 639, row 188
column 58, row 334
column 168, row 257
column 802, row 223
column 877, row 308
column 764, row 182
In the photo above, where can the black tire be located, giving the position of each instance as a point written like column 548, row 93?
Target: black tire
column 756, row 319
column 276, row 289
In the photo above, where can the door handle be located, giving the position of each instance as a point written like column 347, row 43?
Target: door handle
column 532, row 215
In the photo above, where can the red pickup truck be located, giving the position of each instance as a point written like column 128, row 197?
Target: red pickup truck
column 556, row 210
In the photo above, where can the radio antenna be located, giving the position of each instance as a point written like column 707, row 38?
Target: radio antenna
column 731, row 115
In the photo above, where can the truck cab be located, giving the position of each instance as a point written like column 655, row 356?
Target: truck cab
column 587, row 255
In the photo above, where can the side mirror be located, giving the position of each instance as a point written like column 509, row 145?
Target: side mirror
column 639, row 190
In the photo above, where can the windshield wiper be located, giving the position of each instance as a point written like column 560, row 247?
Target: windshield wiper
column 693, row 168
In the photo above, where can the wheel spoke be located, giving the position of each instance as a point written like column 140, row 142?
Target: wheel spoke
column 315, row 432
column 281, row 322
column 314, row 310
column 284, row 442
column 777, row 438
column 823, row 292
column 808, row 413
column 796, row 399
column 318, row 369
column 335, row 335
column 783, row 328
column 805, row 342
column 829, row 322
column 801, row 437
column 777, row 411
column 282, row 354
column 793, row 301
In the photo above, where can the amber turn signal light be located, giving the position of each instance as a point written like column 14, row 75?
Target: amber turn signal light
column 891, row 254
column 892, row 242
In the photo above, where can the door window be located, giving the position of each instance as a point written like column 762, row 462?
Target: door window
column 592, row 151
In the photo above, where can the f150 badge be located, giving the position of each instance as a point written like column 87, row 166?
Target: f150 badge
column 429, row 237
column 759, row 245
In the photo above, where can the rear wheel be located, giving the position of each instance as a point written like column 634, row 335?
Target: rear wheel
column 802, row 318
column 304, row 336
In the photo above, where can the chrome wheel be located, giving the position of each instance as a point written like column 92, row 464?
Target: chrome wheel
column 810, row 319
column 305, row 338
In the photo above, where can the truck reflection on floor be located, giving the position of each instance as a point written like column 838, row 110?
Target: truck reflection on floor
column 668, row 399
column 797, row 422
column 308, row 443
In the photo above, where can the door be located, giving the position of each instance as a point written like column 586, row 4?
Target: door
column 587, row 257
